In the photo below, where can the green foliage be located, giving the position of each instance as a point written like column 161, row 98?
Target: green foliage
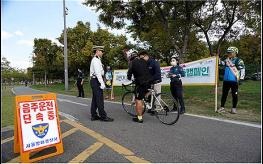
column 215, row 22
column 7, row 106
column 80, row 42
column 197, row 49
column 10, row 74
column 163, row 25
column 198, row 99
column 47, row 58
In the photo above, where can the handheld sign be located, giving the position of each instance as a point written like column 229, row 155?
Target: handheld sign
column 37, row 126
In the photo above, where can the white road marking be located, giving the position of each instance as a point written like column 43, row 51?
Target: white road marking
column 68, row 116
column 69, row 101
column 199, row 116
column 192, row 115
column 7, row 128
column 225, row 120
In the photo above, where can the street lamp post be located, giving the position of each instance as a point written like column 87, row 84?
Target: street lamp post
column 65, row 48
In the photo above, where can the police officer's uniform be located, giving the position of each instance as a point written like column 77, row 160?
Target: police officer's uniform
column 97, row 86
column 79, row 85
column 176, row 85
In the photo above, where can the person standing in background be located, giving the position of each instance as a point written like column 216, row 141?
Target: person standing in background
column 80, row 81
column 108, row 82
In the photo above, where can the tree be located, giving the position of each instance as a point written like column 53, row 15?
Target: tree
column 81, row 40
column 47, row 58
column 164, row 25
column 9, row 73
column 79, row 49
column 218, row 23
column 197, row 49
column 5, row 64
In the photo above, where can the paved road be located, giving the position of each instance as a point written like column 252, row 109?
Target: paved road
column 191, row 139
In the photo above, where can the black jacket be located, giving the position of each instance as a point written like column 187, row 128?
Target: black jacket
column 139, row 69
column 80, row 77
column 155, row 70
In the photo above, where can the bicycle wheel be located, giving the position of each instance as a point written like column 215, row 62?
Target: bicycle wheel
column 166, row 108
column 128, row 103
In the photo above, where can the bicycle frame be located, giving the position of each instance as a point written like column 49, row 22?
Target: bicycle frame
column 153, row 95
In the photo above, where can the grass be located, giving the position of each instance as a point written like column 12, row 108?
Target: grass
column 7, row 106
column 198, row 99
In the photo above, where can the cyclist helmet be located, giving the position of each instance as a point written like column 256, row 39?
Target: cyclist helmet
column 232, row 50
column 133, row 54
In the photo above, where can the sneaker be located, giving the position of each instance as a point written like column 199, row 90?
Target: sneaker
column 221, row 110
column 233, row 110
column 182, row 111
column 151, row 112
column 135, row 119
column 107, row 119
column 174, row 109
column 95, row 118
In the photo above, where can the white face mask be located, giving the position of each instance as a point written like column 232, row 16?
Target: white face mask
column 173, row 62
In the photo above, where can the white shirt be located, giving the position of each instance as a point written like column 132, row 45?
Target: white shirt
column 96, row 69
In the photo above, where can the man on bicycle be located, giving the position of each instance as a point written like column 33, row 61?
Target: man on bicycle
column 155, row 71
column 139, row 69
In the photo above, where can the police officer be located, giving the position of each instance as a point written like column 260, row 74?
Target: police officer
column 97, row 86
column 176, row 87
column 79, row 82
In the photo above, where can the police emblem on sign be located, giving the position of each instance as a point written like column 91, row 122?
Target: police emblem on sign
column 40, row 130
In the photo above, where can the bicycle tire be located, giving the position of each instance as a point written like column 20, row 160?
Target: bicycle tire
column 128, row 103
column 171, row 112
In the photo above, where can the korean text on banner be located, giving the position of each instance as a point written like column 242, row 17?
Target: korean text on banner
column 200, row 72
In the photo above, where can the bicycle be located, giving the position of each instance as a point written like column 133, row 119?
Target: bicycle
column 163, row 105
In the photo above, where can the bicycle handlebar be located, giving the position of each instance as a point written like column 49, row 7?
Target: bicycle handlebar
column 126, row 85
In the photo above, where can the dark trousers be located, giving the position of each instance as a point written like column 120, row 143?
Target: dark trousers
column 80, row 89
column 97, row 99
column 234, row 89
column 177, row 92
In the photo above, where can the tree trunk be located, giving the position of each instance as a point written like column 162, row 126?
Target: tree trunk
column 187, row 28
column 45, row 78
column 33, row 78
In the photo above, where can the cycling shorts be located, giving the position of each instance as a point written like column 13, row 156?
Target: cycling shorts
column 141, row 90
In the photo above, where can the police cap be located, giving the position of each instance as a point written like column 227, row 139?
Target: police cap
column 101, row 48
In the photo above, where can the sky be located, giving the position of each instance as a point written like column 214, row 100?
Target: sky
column 24, row 20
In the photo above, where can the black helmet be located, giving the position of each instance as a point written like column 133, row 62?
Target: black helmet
column 132, row 54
